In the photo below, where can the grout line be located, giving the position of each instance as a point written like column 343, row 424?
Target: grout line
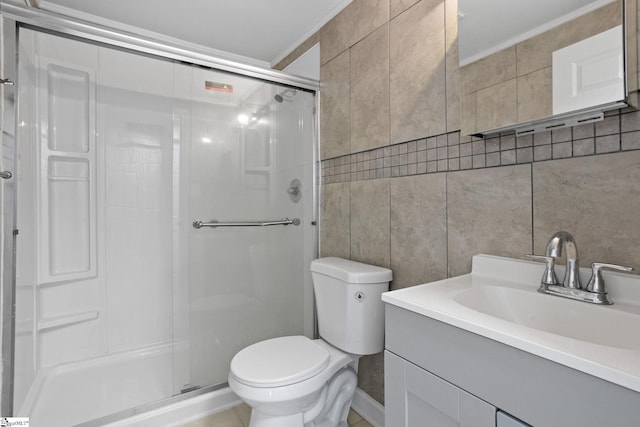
column 446, row 223
column 446, row 103
column 532, row 214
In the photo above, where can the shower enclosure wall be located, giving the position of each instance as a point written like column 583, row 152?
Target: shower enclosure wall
column 119, row 300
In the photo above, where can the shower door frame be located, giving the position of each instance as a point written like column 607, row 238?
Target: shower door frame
column 13, row 16
column 8, row 219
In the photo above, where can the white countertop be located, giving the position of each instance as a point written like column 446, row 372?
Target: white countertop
column 499, row 300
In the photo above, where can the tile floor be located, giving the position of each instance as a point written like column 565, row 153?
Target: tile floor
column 238, row 416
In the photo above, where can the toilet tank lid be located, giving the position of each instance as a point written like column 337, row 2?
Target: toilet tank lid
column 351, row 271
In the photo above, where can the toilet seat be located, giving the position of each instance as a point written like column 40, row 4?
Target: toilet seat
column 279, row 362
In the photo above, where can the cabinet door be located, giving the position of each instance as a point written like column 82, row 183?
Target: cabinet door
column 417, row 398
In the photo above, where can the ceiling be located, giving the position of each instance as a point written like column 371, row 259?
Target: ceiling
column 260, row 32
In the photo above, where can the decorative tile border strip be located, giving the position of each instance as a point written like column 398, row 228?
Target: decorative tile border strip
column 619, row 131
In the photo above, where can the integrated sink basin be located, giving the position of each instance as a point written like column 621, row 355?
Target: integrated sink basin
column 606, row 326
column 499, row 300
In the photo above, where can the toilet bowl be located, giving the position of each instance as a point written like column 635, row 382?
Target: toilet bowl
column 290, row 399
column 294, row 381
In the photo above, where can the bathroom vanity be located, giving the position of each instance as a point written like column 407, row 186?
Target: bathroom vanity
column 462, row 349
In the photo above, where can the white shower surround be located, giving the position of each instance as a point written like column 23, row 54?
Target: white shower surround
column 65, row 343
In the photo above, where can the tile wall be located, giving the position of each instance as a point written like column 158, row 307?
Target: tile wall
column 402, row 188
column 619, row 131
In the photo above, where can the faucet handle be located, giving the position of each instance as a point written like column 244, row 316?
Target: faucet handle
column 596, row 283
column 549, row 275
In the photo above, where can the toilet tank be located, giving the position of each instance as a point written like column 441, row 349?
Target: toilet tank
column 348, row 303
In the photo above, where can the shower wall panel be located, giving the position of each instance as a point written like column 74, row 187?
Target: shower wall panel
column 70, row 105
column 120, row 300
column 67, row 181
column 95, row 206
column 136, row 120
column 57, row 247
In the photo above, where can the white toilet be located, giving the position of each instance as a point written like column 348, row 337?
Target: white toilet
column 295, row 381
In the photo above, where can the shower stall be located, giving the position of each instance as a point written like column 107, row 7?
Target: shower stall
column 160, row 216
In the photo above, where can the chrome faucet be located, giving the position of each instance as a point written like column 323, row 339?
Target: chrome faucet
column 571, row 287
column 564, row 240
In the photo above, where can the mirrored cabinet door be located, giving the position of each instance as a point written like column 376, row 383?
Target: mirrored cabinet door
column 533, row 64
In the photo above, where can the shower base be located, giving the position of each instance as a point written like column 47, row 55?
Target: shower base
column 75, row 393
column 184, row 411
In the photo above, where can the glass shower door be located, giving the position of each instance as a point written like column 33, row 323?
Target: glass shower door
column 251, row 159
column 120, row 301
column 94, row 285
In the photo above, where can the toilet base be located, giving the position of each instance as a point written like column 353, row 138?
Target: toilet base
column 264, row 420
column 296, row 420
column 331, row 410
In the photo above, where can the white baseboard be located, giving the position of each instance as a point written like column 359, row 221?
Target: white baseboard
column 369, row 408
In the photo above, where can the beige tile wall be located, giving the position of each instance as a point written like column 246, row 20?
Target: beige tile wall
column 489, row 211
column 597, row 199
column 417, row 48
column 335, row 123
column 418, row 229
column 369, row 91
column 424, row 207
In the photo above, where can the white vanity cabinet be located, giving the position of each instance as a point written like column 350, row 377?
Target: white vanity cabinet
column 438, row 375
column 416, row 398
column 470, row 349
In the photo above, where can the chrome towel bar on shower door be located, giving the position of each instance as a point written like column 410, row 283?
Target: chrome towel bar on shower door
column 214, row 223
